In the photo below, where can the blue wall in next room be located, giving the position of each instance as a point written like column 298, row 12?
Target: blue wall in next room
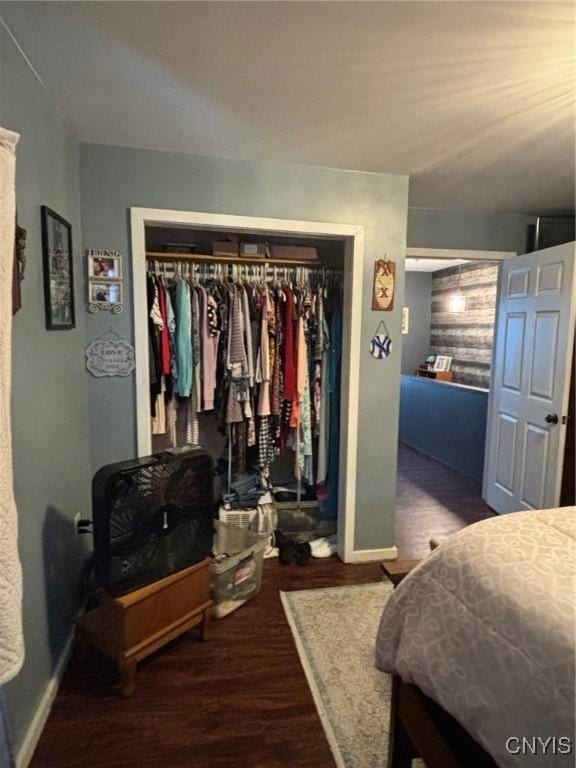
column 446, row 422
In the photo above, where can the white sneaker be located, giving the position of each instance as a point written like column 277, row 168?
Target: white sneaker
column 324, row 547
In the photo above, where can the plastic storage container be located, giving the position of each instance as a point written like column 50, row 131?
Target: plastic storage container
column 302, row 522
column 238, row 577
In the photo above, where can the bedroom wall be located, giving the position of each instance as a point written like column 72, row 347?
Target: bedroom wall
column 467, row 337
column 113, row 179
column 49, row 399
column 471, row 230
column 418, row 298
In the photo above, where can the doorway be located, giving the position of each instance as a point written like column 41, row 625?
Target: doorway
column 449, row 323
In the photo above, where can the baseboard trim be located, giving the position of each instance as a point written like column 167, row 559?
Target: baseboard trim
column 26, row 751
column 374, row 555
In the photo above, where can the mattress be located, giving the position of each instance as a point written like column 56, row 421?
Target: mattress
column 485, row 627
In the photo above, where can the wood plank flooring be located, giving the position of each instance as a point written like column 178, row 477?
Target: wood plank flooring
column 432, row 500
column 241, row 699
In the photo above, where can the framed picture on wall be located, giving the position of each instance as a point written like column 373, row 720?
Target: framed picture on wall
column 105, row 267
column 105, row 292
column 442, row 363
column 58, row 271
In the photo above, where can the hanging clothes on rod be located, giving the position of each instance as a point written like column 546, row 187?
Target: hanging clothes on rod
column 258, row 347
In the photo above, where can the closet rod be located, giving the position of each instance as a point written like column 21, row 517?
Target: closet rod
column 161, row 256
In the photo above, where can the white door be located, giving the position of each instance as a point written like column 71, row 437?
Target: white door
column 528, row 406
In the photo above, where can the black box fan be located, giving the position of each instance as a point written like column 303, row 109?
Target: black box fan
column 152, row 517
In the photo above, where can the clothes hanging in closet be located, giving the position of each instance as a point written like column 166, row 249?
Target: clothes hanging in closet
column 264, row 357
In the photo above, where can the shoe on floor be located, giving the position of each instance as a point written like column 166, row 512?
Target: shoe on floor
column 324, row 547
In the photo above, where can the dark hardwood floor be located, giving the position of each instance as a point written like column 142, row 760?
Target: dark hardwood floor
column 432, row 500
column 241, row 699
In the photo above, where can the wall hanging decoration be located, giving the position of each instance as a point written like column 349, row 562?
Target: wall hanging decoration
column 381, row 343
column 110, row 355
column 383, row 289
column 105, row 284
column 58, row 271
column 405, row 320
column 18, row 267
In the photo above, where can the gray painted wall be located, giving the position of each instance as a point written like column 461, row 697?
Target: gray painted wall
column 49, row 400
column 474, row 230
column 113, row 179
column 418, row 297
column 445, row 422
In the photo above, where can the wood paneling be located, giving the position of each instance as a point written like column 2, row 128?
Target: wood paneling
column 467, row 336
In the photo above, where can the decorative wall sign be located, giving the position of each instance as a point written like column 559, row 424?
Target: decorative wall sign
column 58, row 271
column 381, row 343
column 110, row 355
column 383, row 289
column 105, row 286
column 405, row 320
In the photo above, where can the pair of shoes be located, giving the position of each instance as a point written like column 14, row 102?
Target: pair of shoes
column 290, row 551
column 324, row 547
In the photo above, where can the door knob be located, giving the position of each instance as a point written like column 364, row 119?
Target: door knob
column 552, row 418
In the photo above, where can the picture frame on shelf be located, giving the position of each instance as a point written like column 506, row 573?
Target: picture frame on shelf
column 443, row 363
column 58, row 268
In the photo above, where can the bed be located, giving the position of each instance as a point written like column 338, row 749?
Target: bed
column 481, row 635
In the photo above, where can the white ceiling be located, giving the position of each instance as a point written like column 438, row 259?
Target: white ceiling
column 475, row 100
column 430, row 265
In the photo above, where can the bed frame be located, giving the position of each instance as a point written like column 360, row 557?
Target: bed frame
column 421, row 728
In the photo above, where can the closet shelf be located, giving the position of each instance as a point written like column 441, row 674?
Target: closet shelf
column 201, row 257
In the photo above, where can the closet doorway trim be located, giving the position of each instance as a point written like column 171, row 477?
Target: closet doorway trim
column 353, row 236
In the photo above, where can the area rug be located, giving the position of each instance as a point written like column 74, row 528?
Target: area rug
column 334, row 630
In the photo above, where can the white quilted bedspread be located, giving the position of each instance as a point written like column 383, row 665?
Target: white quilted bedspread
column 485, row 627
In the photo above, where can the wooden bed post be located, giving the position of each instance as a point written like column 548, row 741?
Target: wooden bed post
column 401, row 751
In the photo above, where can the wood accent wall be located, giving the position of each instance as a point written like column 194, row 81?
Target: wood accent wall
column 468, row 336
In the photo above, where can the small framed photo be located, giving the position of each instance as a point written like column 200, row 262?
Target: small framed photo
column 442, row 363
column 105, row 292
column 405, row 320
column 57, row 260
column 105, row 267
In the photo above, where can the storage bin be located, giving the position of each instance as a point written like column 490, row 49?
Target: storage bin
column 253, row 250
column 302, row 522
column 237, row 578
column 299, row 252
column 224, row 248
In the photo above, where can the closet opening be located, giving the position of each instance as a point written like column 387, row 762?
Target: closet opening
column 243, row 348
